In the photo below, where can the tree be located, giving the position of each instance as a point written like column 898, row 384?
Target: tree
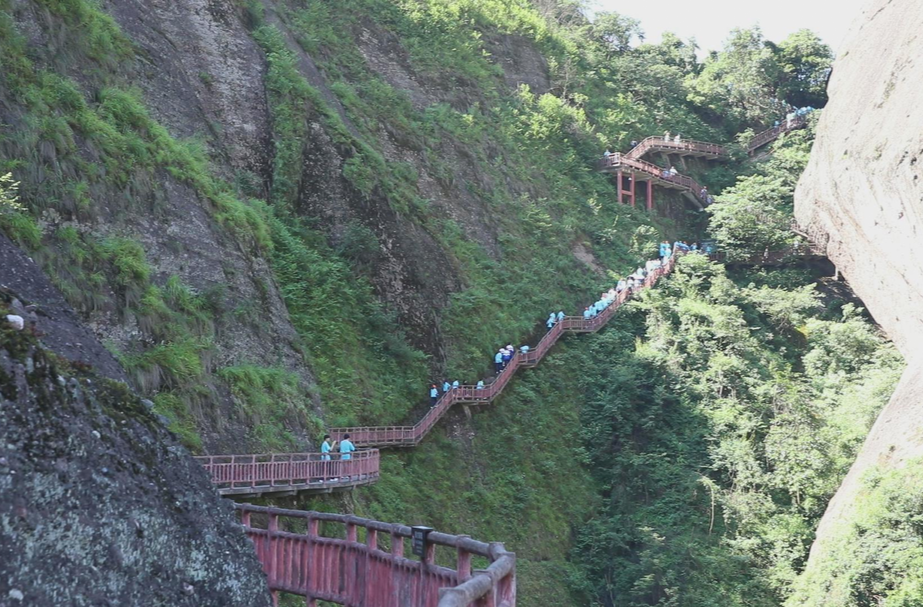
column 674, row 52
column 742, row 77
column 746, row 226
column 616, row 31
column 762, row 81
column 804, row 66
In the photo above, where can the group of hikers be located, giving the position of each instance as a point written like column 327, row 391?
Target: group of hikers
column 792, row 117
column 345, row 447
column 677, row 139
column 630, row 283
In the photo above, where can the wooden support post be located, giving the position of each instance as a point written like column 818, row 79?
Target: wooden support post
column 631, row 189
column 311, row 558
column 650, row 194
column 618, row 184
column 464, row 562
column 371, row 539
column 397, row 545
column 351, row 534
column 272, row 540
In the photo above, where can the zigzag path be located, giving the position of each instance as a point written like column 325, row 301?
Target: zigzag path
column 291, row 473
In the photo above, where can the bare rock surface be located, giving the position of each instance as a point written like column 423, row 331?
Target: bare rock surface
column 61, row 329
column 99, row 505
column 863, row 194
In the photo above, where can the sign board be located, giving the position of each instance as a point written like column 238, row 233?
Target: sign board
column 418, row 537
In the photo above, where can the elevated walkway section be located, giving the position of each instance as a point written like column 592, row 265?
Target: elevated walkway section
column 623, row 166
column 282, row 474
column 682, row 148
column 359, row 562
column 769, row 135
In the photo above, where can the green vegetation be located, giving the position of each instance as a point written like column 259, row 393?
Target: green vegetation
column 760, row 79
column 720, row 433
column 875, row 557
column 273, row 401
column 74, row 145
column 13, row 220
column 754, row 214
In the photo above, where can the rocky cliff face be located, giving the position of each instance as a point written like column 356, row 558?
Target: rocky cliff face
column 863, row 192
column 98, row 503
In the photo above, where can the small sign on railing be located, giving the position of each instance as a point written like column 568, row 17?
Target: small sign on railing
column 418, row 537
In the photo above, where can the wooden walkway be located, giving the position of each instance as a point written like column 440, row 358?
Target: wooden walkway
column 280, row 474
column 770, row 135
column 291, row 473
column 632, row 167
column 409, row 436
column 338, row 558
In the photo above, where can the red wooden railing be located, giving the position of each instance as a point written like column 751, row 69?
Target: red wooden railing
column 772, row 134
column 650, row 170
column 352, row 569
column 409, row 436
column 286, row 472
column 686, row 147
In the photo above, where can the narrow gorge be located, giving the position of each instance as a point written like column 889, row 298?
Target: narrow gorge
column 234, row 227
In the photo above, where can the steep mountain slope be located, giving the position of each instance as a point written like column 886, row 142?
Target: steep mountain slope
column 211, row 183
column 863, row 190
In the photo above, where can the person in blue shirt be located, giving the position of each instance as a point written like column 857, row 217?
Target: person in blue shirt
column 664, row 249
column 445, row 386
column 455, row 385
column 524, row 349
column 433, row 395
column 480, row 385
column 586, row 314
column 498, row 361
column 507, row 356
column 560, row 315
column 346, row 447
column 326, row 447
column 551, row 320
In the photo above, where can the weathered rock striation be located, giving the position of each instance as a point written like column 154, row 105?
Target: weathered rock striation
column 863, row 190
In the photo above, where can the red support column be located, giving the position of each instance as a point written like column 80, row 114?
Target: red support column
column 631, row 189
column 311, row 557
column 272, row 540
column 650, row 194
column 464, row 563
column 618, row 184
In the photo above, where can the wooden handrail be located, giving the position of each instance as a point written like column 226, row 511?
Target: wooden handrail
column 342, row 569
